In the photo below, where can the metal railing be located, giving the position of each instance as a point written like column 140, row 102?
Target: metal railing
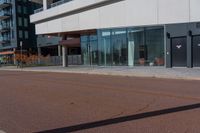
column 59, row 3
column 5, row 1
column 5, row 13
column 74, row 60
column 53, row 5
column 38, row 10
column 4, row 26
column 4, row 39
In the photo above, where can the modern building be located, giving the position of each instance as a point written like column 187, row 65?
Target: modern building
column 15, row 27
column 124, row 32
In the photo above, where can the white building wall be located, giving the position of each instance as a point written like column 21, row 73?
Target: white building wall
column 173, row 11
column 120, row 14
column 194, row 10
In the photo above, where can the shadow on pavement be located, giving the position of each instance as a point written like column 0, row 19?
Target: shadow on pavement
column 121, row 119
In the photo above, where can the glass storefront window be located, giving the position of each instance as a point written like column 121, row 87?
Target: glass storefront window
column 84, row 50
column 119, row 46
column 154, row 39
column 104, row 47
column 89, row 49
column 146, row 46
column 93, row 50
column 124, row 47
column 136, row 46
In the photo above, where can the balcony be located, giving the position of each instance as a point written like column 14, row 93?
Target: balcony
column 59, row 3
column 52, row 5
column 4, row 28
column 38, row 10
column 5, row 3
column 4, row 40
column 65, row 7
column 4, row 15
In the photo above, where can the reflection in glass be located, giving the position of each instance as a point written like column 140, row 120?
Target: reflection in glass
column 122, row 47
column 105, row 56
column 84, row 50
column 89, row 50
column 136, row 46
column 146, row 46
column 119, row 43
column 93, row 50
column 155, row 45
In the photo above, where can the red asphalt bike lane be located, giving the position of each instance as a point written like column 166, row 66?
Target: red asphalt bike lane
column 58, row 103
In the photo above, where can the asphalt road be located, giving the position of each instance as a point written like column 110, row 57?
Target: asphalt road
column 58, row 103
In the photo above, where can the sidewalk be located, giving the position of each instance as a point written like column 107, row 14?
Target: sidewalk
column 156, row 72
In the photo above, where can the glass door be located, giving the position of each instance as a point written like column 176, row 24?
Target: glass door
column 93, row 50
column 89, row 50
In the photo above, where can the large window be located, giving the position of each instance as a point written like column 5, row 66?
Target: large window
column 119, row 46
column 136, row 46
column 155, row 45
column 131, row 46
column 113, row 48
column 19, row 9
column 89, row 49
column 146, row 46
column 26, row 34
column 25, row 22
column 19, row 21
column 85, row 50
column 25, row 10
column 105, row 52
column 20, row 34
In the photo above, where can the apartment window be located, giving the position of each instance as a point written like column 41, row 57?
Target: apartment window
column 25, row 10
column 13, row 35
column 25, row 22
column 26, row 35
column 19, row 9
column 19, row 21
column 20, row 34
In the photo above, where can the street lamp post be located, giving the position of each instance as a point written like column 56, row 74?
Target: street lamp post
column 21, row 45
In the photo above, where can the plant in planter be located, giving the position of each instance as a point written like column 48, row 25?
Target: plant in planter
column 142, row 61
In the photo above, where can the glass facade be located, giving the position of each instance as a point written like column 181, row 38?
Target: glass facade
column 146, row 46
column 89, row 49
column 105, row 48
column 124, row 47
column 119, row 47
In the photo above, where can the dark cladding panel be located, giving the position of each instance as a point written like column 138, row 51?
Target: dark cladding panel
column 196, row 51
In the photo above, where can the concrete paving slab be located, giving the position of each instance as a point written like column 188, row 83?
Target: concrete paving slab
column 156, row 72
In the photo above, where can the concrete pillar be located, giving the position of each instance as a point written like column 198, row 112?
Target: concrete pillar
column 39, row 55
column 45, row 4
column 59, row 50
column 14, row 56
column 64, row 56
column 189, row 51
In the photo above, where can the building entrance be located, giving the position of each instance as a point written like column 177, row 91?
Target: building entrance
column 179, row 51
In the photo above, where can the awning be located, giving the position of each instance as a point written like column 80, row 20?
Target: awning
column 71, row 42
column 6, row 52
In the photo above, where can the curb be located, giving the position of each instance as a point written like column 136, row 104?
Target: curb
column 108, row 74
